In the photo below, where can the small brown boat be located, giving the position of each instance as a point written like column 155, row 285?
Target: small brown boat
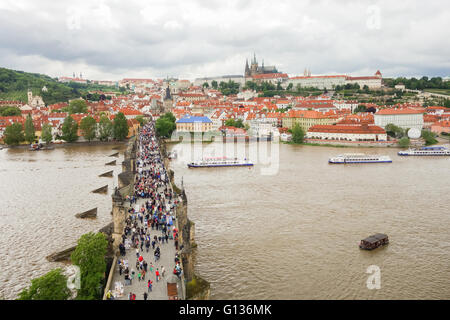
column 374, row 241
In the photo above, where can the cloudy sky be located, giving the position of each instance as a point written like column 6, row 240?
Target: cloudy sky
column 113, row 39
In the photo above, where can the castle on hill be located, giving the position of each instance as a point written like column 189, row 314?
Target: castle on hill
column 255, row 69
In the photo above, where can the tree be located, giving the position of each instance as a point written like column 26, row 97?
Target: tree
column 230, row 122
column 297, row 134
column 69, row 129
column 252, row 85
column 230, row 87
column 360, row 108
column 14, row 134
column 77, row 106
column 429, row 137
column 29, row 131
column 394, row 131
column 234, row 123
column 206, row 85
column 290, row 86
column 9, row 111
column 88, row 126
column 404, row 142
column 120, row 127
column 170, row 117
column 105, row 128
column 89, row 255
column 51, row 286
column 214, row 84
column 142, row 121
column 164, row 127
column 46, row 134
column 447, row 103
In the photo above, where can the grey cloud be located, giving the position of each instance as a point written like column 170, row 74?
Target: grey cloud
column 179, row 37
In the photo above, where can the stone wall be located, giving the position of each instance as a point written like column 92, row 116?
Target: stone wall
column 125, row 188
column 197, row 288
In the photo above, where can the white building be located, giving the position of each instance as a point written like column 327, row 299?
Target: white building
column 341, row 105
column 35, row 101
column 330, row 82
column 236, row 78
column 247, row 94
column 403, row 118
column 373, row 82
column 360, row 132
column 320, row 82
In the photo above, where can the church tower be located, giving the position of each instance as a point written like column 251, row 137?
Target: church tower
column 30, row 97
column 247, row 69
column 254, row 66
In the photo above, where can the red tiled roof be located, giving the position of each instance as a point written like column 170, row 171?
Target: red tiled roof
column 442, row 123
column 270, row 76
column 305, row 77
column 399, row 111
column 305, row 114
column 357, row 129
column 363, row 78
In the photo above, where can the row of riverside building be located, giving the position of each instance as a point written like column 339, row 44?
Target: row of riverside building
column 200, row 109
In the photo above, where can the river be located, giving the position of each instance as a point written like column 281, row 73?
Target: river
column 295, row 234
column 41, row 192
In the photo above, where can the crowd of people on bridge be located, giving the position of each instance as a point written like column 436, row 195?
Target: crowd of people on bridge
column 150, row 223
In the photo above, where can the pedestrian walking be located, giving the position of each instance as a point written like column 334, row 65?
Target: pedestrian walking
column 145, row 265
column 149, row 285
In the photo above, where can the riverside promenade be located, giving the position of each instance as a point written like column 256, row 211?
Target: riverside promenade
column 150, row 226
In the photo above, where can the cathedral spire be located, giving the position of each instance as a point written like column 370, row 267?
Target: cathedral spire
column 247, row 69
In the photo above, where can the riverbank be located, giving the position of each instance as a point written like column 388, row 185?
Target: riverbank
column 69, row 144
column 340, row 144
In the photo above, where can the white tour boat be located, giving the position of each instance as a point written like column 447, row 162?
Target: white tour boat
column 359, row 158
column 426, row 151
column 220, row 162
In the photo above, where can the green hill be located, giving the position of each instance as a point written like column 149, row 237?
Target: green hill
column 15, row 84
